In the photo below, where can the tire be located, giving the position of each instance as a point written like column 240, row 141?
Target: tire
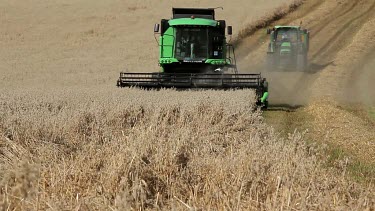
column 301, row 62
column 265, row 105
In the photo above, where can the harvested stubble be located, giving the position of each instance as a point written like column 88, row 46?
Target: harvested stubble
column 157, row 150
column 269, row 19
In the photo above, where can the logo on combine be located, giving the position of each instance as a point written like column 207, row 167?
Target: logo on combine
column 193, row 61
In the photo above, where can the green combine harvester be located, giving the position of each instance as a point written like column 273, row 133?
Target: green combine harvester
column 288, row 48
column 194, row 53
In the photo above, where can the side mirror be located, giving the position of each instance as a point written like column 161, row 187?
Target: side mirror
column 268, row 31
column 229, row 29
column 156, row 28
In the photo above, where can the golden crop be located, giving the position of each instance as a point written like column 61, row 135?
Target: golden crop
column 168, row 149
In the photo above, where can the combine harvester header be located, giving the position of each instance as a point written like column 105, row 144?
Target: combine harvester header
column 194, row 53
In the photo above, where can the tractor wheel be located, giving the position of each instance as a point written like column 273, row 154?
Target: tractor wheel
column 301, row 62
column 265, row 105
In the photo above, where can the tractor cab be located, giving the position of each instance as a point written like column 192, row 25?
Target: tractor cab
column 286, row 34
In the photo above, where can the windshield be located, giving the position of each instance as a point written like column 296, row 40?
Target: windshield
column 289, row 34
column 191, row 43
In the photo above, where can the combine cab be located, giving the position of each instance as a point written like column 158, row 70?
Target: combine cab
column 194, row 53
column 288, row 48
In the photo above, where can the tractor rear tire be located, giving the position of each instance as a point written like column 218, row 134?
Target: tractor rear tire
column 301, row 62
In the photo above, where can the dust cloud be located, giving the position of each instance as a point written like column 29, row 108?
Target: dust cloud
column 360, row 87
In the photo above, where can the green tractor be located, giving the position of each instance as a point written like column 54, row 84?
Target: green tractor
column 194, row 53
column 288, row 48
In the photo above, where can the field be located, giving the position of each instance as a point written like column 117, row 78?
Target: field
column 71, row 140
column 76, row 151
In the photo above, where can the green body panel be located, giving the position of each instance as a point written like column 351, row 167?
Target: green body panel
column 286, row 44
column 264, row 97
column 167, row 43
column 217, row 61
column 167, row 60
column 192, row 21
column 285, row 47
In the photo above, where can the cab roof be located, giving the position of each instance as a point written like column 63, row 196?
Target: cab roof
column 192, row 22
column 207, row 13
column 294, row 27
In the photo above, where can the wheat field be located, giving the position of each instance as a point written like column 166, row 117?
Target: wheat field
column 158, row 150
column 71, row 140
